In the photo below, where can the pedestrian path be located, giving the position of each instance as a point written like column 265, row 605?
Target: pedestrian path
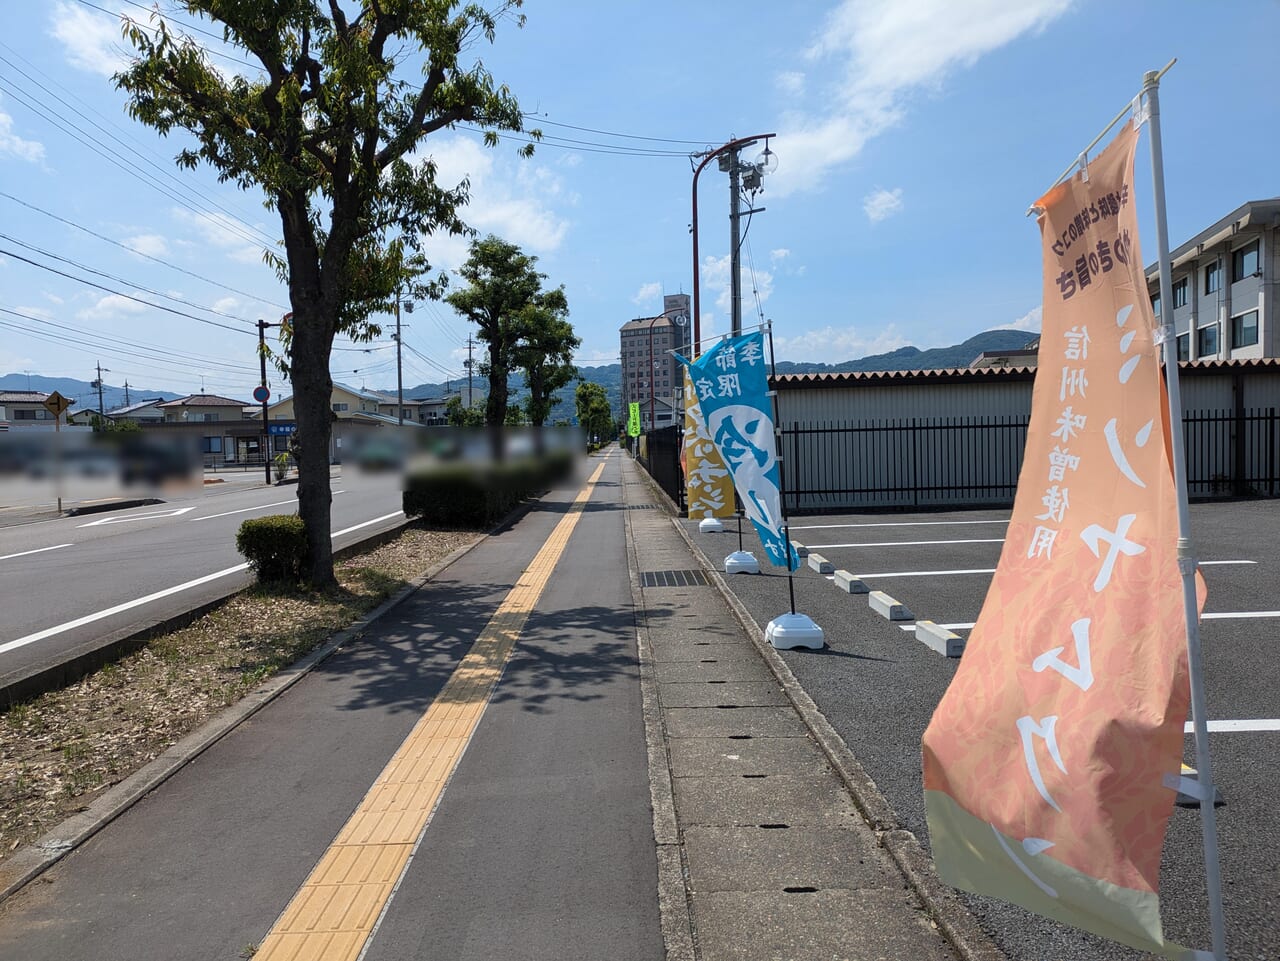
column 555, row 749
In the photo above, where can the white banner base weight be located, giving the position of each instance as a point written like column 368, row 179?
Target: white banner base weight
column 741, row 562
column 710, row 525
column 788, row 631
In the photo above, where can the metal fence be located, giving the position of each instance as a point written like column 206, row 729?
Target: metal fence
column 663, row 461
column 915, row 463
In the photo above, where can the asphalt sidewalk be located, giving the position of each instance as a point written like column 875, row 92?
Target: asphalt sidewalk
column 641, row 778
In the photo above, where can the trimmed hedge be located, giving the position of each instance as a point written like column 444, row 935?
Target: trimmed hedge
column 275, row 547
column 464, row 495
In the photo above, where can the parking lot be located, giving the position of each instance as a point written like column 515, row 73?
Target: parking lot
column 878, row 685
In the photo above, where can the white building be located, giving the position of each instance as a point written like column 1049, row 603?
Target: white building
column 1224, row 286
column 651, row 375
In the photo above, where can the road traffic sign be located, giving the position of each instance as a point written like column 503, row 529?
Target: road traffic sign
column 262, row 394
column 55, row 404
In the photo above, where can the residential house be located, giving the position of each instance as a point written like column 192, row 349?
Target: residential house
column 140, row 412
column 25, row 409
column 226, row 434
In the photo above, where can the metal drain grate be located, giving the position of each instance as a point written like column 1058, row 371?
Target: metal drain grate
column 642, row 507
column 674, row 578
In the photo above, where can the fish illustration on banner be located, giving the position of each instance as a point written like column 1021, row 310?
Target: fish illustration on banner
column 732, row 389
column 1049, row 760
column 708, row 486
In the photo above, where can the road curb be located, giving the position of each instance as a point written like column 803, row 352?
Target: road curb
column 33, row 860
column 674, row 912
column 954, row 920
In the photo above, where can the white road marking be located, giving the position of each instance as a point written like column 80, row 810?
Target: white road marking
column 38, row 550
column 168, row 591
column 1219, row 563
column 1229, row 727
column 177, row 512
column 1235, row 615
column 384, row 517
column 975, row 570
column 1222, row 616
column 127, row 605
column 824, row 527
column 993, row 540
column 244, row 510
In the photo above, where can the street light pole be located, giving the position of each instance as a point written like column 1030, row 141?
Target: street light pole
column 711, row 155
column 399, row 375
column 653, row 380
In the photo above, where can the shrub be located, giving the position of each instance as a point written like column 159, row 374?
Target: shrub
column 275, row 547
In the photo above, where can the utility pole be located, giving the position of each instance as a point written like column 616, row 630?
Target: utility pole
column 262, row 362
column 399, row 375
column 98, row 384
column 735, row 243
column 126, row 393
column 470, row 362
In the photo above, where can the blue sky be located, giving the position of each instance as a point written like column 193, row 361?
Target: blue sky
column 912, row 136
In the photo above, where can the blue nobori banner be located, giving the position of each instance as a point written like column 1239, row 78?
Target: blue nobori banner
column 733, row 394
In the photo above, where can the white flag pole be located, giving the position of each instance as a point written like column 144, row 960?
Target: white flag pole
column 1186, row 557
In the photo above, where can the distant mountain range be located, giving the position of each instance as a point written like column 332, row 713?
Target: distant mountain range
column 608, row 376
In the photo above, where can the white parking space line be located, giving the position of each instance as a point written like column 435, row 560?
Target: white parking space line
column 950, row 627
column 992, row 540
column 38, row 550
column 1236, row 615
column 1221, row 563
column 827, row 527
column 1233, row 727
column 974, row 570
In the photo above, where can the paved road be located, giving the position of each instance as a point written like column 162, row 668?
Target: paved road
column 61, row 576
column 541, row 847
column 878, row 687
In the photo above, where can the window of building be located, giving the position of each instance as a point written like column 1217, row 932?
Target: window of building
column 1155, row 305
column 211, row 445
column 338, row 408
column 24, row 415
column 1184, row 347
column 1212, row 278
column 1180, row 293
column 1245, row 262
column 1207, row 341
column 1244, row 329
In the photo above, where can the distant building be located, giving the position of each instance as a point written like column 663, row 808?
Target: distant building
column 25, row 409
column 1023, row 357
column 142, row 411
column 1224, row 286
column 651, row 374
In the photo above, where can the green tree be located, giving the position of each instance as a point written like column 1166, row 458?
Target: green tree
column 594, row 414
column 501, row 285
column 459, row 416
column 544, row 353
column 331, row 130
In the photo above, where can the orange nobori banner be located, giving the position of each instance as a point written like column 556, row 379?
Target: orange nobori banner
column 1045, row 762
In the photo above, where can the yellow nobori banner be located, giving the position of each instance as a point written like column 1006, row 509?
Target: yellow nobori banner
column 708, row 486
column 1045, row 762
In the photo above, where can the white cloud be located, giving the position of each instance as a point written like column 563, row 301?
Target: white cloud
column 226, row 233
column 515, row 207
column 1029, row 321
column 881, row 203
column 778, row 256
column 14, row 146
column 715, row 279
column 647, row 294
column 91, row 39
column 790, row 83
column 836, row 344
column 153, row 245
column 884, row 49
column 111, row 307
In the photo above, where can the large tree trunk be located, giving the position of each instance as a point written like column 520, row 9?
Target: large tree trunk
column 312, row 392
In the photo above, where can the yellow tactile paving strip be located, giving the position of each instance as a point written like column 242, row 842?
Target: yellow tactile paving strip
column 335, row 910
